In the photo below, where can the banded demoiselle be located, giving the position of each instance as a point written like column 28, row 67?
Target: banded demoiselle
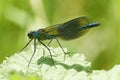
column 69, row 30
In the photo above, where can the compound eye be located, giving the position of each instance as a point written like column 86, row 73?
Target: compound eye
column 30, row 35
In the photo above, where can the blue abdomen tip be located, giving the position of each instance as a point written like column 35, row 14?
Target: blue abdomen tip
column 93, row 24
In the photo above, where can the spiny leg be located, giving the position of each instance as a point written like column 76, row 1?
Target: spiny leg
column 33, row 52
column 49, row 52
column 43, row 52
column 26, row 45
column 61, row 48
column 49, row 42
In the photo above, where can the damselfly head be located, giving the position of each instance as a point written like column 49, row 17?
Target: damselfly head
column 34, row 34
column 31, row 34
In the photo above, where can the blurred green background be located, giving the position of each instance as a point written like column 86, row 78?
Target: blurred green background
column 101, row 45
